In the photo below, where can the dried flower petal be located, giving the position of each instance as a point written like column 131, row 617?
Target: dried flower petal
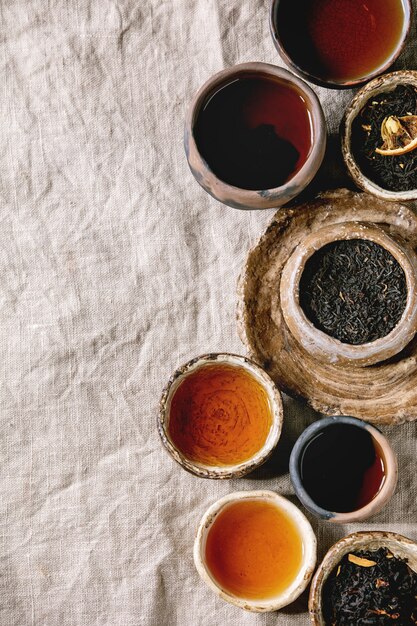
column 358, row 560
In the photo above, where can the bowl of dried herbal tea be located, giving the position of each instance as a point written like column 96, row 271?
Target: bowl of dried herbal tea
column 379, row 137
column 366, row 578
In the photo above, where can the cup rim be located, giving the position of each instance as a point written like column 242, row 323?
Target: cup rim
column 222, row 471
column 333, row 84
column 360, row 540
column 318, row 342
column 385, row 492
column 300, row 582
column 250, row 197
column 374, row 87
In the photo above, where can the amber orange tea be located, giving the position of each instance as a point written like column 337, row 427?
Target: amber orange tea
column 219, row 415
column 340, row 40
column 253, row 549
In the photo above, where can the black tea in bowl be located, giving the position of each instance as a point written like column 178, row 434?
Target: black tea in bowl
column 384, row 138
column 371, row 588
column 353, row 290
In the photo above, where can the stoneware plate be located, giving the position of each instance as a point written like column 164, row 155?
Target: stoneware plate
column 385, row 393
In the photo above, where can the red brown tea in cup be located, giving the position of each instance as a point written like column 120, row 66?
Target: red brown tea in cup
column 340, row 40
column 254, row 132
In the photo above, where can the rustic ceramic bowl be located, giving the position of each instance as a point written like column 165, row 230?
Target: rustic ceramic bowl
column 321, row 80
column 383, row 84
column 223, row 471
column 400, row 547
column 262, row 198
column 379, row 501
column 308, row 561
column 317, row 342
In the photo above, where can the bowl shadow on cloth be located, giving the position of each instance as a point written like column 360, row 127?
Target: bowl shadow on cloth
column 331, row 175
column 297, row 417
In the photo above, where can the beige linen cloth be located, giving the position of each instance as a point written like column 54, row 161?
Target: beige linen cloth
column 116, row 267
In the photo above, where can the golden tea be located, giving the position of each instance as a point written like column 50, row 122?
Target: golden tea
column 219, row 415
column 253, row 549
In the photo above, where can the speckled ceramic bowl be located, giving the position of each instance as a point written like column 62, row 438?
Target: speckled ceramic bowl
column 320, row 344
column 377, row 503
column 321, row 80
column 385, row 83
column 305, row 572
column 223, row 471
column 262, row 198
column 400, row 546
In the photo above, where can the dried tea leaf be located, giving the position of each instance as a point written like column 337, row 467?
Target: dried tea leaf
column 385, row 170
column 358, row 560
column 373, row 595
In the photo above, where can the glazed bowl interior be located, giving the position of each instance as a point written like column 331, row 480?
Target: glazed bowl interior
column 221, row 471
column 239, row 197
column 385, row 452
column 399, row 546
column 317, row 342
column 333, row 83
column 303, row 577
column 380, row 85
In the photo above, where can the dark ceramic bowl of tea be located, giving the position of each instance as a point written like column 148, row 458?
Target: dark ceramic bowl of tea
column 255, row 136
column 369, row 542
column 343, row 469
column 349, row 294
column 340, row 43
column 381, row 159
column 220, row 416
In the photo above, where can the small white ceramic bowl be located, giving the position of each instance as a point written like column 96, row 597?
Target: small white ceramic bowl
column 309, row 551
column 223, row 471
column 382, row 84
column 400, row 546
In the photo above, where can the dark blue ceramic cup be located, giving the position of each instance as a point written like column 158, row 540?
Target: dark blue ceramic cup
column 299, row 478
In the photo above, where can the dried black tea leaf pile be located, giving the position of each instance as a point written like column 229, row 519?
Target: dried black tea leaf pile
column 395, row 173
column 353, row 290
column 371, row 589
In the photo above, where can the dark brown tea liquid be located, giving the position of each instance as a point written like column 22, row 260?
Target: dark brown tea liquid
column 340, row 40
column 254, row 133
column 341, row 468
